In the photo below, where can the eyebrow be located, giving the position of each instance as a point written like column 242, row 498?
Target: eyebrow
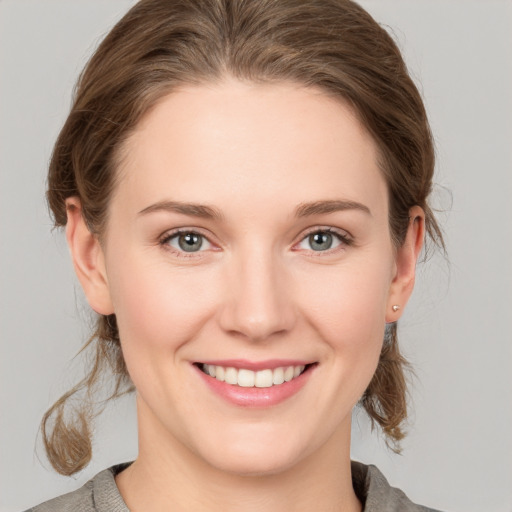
column 192, row 209
column 210, row 212
column 329, row 206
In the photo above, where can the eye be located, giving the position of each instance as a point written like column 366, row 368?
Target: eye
column 185, row 241
column 323, row 240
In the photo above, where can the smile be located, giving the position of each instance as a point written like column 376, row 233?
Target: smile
column 245, row 378
column 251, row 384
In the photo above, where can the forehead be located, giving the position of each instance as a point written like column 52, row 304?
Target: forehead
column 258, row 142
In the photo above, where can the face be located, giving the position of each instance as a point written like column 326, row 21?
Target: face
column 248, row 239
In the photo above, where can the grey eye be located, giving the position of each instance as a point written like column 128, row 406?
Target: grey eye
column 320, row 241
column 190, row 242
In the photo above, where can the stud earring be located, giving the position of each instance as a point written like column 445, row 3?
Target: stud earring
column 395, row 308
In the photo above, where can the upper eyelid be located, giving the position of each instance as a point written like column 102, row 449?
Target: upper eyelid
column 344, row 238
column 342, row 233
column 170, row 233
column 328, row 229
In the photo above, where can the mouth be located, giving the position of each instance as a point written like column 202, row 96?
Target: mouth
column 246, row 378
column 255, row 385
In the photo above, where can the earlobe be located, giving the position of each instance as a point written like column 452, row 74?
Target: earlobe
column 88, row 259
column 406, row 258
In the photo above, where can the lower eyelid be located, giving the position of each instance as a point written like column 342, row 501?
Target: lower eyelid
column 343, row 238
column 166, row 238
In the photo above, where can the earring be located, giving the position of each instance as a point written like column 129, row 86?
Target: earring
column 395, row 308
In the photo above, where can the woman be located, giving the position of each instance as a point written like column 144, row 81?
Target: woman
column 244, row 187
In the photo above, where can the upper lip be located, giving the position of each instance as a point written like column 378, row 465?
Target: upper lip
column 256, row 365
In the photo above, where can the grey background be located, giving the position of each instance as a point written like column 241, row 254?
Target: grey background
column 456, row 331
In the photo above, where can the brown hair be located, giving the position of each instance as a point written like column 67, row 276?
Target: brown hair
column 158, row 45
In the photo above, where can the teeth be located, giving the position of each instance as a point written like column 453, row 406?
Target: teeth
column 249, row 379
column 230, row 375
column 246, row 378
column 220, row 373
column 263, row 379
column 278, row 376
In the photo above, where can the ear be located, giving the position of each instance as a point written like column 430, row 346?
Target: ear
column 88, row 259
column 405, row 263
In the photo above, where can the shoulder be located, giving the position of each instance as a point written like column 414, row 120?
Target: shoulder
column 100, row 494
column 79, row 500
column 377, row 495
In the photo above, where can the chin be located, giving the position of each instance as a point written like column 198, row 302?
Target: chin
column 255, row 466
column 260, row 456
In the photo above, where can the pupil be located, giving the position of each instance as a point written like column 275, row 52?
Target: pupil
column 321, row 241
column 190, row 242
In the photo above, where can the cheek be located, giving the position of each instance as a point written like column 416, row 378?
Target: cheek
column 349, row 301
column 348, row 311
column 157, row 309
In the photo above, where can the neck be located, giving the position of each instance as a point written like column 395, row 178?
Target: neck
column 168, row 476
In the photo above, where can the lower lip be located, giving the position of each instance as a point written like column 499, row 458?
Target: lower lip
column 256, row 397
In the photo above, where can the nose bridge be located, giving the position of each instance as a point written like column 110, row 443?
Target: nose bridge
column 258, row 299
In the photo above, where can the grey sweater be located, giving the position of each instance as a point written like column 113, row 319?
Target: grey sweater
column 102, row 495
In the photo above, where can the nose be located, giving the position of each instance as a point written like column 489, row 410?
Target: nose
column 258, row 302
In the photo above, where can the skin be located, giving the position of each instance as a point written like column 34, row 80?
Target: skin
column 256, row 290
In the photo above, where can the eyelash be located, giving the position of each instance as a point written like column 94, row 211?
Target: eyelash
column 167, row 237
column 343, row 237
